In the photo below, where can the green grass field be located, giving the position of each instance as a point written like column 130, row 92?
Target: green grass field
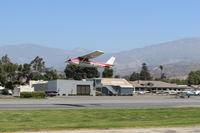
column 33, row 120
column 8, row 98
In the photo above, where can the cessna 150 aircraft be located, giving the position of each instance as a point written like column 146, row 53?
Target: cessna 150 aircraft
column 85, row 60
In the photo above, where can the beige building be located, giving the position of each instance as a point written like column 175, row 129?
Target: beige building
column 155, row 86
column 113, row 86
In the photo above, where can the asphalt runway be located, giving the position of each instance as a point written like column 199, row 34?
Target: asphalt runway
column 79, row 102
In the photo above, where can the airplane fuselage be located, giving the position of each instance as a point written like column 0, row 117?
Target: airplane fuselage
column 78, row 62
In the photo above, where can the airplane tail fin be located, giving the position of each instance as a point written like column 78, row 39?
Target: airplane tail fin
column 111, row 61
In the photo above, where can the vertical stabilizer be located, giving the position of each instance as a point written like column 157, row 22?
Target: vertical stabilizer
column 111, row 61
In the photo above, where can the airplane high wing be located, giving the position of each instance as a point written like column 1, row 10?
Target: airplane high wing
column 92, row 55
column 84, row 60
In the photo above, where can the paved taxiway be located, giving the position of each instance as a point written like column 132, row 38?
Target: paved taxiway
column 98, row 102
column 195, row 129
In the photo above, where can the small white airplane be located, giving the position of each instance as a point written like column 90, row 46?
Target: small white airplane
column 84, row 60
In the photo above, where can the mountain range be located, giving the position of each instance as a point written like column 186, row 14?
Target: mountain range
column 178, row 57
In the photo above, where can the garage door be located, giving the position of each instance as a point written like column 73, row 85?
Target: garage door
column 83, row 90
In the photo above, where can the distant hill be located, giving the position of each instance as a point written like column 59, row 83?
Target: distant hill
column 53, row 57
column 178, row 57
column 184, row 50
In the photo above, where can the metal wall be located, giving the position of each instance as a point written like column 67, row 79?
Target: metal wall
column 126, row 91
column 40, row 87
column 66, row 87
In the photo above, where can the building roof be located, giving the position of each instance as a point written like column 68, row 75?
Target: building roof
column 153, row 84
column 116, row 82
column 195, row 86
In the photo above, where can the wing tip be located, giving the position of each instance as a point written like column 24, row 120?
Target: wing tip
column 100, row 51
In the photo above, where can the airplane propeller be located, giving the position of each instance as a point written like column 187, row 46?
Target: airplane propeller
column 68, row 59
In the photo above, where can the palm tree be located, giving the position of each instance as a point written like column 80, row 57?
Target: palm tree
column 161, row 71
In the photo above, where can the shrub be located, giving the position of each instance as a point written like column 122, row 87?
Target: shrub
column 36, row 94
column 98, row 93
column 25, row 94
column 9, row 85
column 72, row 95
column 5, row 92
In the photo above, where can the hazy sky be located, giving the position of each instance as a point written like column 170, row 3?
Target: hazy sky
column 109, row 25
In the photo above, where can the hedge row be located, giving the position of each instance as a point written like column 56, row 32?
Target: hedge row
column 98, row 93
column 36, row 94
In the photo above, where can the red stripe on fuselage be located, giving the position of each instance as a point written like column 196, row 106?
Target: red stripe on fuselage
column 90, row 62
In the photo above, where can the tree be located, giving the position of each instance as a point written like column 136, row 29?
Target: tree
column 2, row 78
column 7, row 69
column 70, row 71
column 12, row 73
column 161, row 71
column 107, row 73
column 36, row 76
column 5, row 59
column 20, row 68
column 162, row 75
column 194, row 78
column 90, row 72
column 3, row 75
column 5, row 92
column 38, row 64
column 78, row 73
column 50, row 75
column 117, row 76
column 144, row 73
column 26, row 68
column 176, row 81
column 134, row 76
column 9, row 85
column 10, row 70
column 127, row 77
column 23, row 73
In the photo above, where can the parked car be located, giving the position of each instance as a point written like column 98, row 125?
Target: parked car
column 162, row 92
column 51, row 94
column 197, row 92
column 10, row 92
column 184, row 94
column 140, row 92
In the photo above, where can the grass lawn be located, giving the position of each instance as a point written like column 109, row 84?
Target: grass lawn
column 8, row 98
column 33, row 120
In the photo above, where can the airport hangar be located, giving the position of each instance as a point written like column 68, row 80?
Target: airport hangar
column 107, row 86
column 71, row 87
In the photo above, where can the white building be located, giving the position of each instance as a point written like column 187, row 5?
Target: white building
column 1, row 89
column 38, row 85
column 156, row 86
